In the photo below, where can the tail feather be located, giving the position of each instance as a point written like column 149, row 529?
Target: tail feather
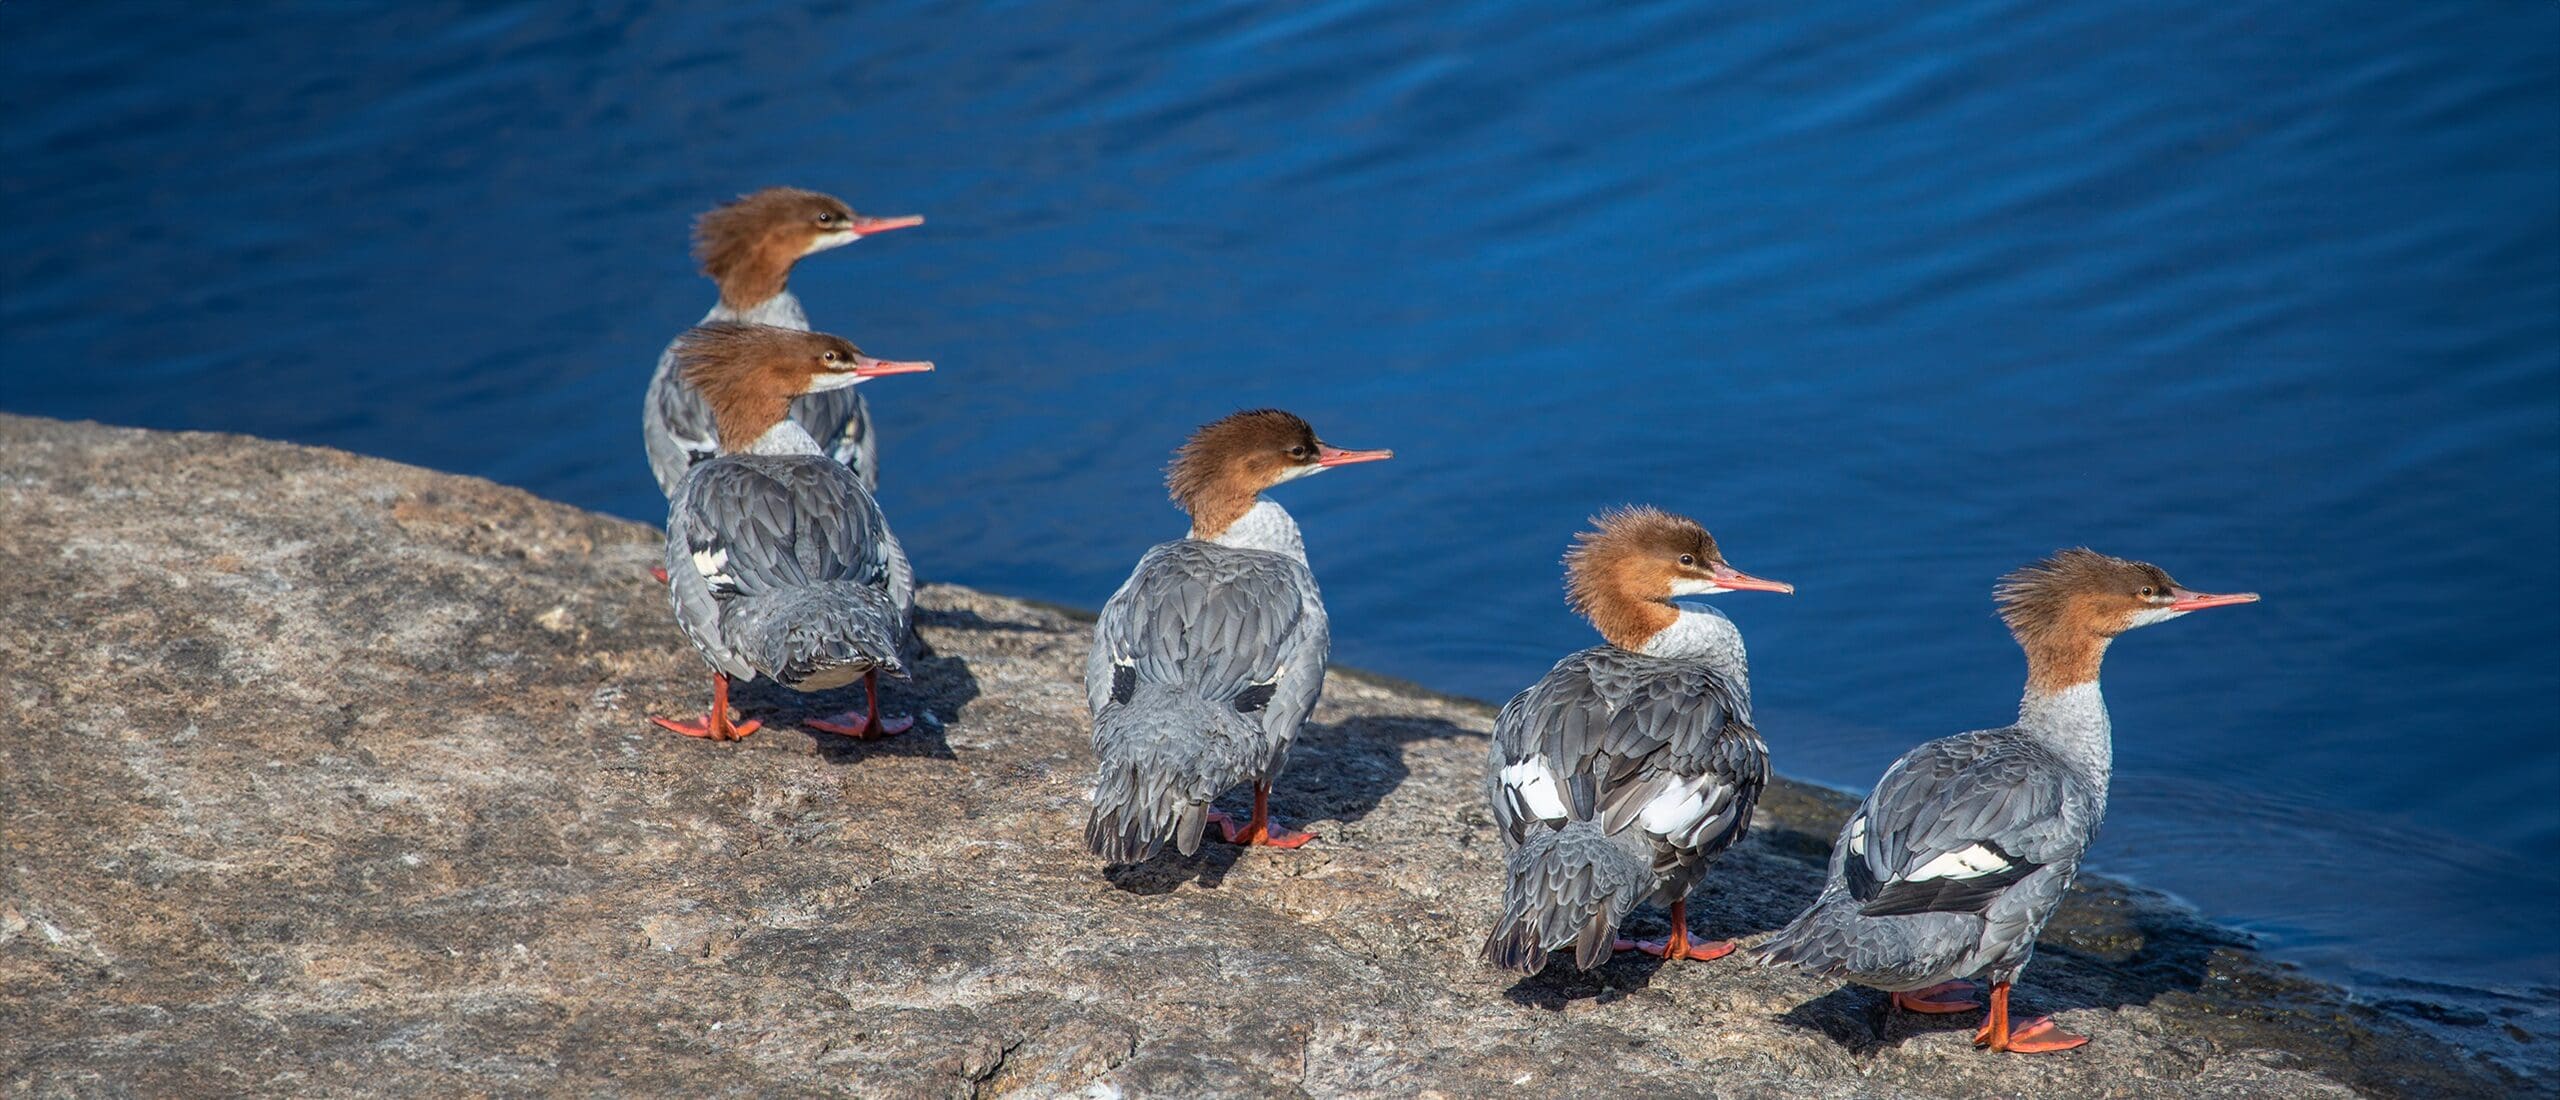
column 1811, row 943
column 821, row 632
column 1164, row 757
column 1567, row 887
column 1834, row 939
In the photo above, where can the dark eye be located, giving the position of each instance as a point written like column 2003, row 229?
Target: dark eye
column 830, row 357
column 828, row 218
column 2145, row 593
column 1297, row 450
column 1688, row 559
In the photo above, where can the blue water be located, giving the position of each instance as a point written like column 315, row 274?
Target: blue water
column 1892, row 299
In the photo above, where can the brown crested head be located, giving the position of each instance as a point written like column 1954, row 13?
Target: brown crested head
column 1623, row 573
column 748, row 374
column 749, row 245
column 2064, row 609
column 1230, row 461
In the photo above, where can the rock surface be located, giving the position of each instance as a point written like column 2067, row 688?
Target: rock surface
column 326, row 775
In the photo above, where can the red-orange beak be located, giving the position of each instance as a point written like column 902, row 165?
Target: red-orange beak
column 869, row 367
column 2198, row 601
column 864, row 227
column 1730, row 578
column 1329, row 456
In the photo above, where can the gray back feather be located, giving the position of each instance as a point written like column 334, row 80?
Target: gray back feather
column 1204, row 665
column 1997, row 790
column 1220, row 624
column 1617, row 729
column 782, row 565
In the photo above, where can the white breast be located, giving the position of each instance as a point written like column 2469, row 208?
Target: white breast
column 1266, row 526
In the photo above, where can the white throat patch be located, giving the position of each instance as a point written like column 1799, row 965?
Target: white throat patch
column 2153, row 615
column 824, row 381
column 833, row 239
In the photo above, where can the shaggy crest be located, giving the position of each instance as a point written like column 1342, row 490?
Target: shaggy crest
column 749, row 244
column 2063, row 610
column 748, row 374
column 1619, row 574
column 2078, row 590
column 1228, row 461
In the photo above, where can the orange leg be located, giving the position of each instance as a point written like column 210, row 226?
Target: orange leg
column 866, row 723
column 1677, row 945
column 1259, row 831
column 659, row 572
column 2037, row 1037
column 715, row 725
column 1929, row 1000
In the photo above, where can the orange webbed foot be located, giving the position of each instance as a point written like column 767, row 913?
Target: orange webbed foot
column 1666, row 949
column 1257, row 834
column 1678, row 945
column 659, row 572
column 2041, row 1036
column 711, row 727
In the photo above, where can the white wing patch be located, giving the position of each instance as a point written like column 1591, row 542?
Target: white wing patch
column 1676, row 811
column 1858, row 836
column 1536, row 787
column 709, row 563
column 1971, row 861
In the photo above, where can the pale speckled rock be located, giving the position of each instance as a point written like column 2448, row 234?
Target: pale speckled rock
column 326, row 775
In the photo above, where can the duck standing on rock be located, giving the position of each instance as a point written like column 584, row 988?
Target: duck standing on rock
column 1209, row 657
column 1619, row 775
column 1955, row 861
column 748, row 247
column 780, row 563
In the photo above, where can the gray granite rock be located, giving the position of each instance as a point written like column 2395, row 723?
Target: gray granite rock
column 325, row 775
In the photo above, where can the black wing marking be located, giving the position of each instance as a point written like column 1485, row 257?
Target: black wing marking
column 1124, row 682
column 1957, row 822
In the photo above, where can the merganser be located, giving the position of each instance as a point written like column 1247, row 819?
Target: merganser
column 781, row 563
column 1212, row 653
column 748, row 247
column 1630, row 765
column 1965, row 847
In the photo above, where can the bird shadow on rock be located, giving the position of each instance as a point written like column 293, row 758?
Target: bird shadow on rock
column 1340, row 771
column 1560, row 983
column 936, row 690
column 2134, row 953
column 1170, row 870
column 1750, row 890
column 1337, row 772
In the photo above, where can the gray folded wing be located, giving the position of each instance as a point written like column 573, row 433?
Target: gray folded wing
column 1626, row 739
column 1960, row 820
column 675, row 425
column 1241, row 628
column 840, row 420
column 783, row 566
